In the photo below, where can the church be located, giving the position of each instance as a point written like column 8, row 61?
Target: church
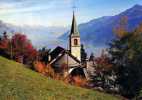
column 70, row 60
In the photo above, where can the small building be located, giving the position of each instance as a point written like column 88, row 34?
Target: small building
column 61, row 58
column 63, row 61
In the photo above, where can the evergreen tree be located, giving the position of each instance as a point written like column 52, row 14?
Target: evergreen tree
column 126, row 55
column 44, row 54
column 92, row 57
column 83, row 54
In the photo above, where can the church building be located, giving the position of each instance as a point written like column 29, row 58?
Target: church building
column 70, row 60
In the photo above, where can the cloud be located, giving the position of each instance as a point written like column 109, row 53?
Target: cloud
column 35, row 12
column 23, row 6
column 14, row 6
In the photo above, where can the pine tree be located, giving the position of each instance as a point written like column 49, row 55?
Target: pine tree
column 126, row 55
column 92, row 57
column 83, row 55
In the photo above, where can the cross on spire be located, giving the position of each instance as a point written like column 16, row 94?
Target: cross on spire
column 74, row 6
column 74, row 28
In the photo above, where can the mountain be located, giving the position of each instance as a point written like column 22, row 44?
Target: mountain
column 95, row 34
column 20, row 83
column 39, row 35
column 99, row 32
column 43, row 36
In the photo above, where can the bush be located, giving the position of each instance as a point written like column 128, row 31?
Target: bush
column 49, row 71
column 39, row 67
column 79, row 81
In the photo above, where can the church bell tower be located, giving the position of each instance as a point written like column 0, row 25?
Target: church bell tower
column 74, row 39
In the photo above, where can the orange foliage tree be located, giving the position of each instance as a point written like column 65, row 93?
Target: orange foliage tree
column 121, row 29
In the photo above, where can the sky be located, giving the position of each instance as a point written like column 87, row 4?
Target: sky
column 59, row 12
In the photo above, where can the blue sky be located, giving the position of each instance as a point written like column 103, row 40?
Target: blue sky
column 59, row 12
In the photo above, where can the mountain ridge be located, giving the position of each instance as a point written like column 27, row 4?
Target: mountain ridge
column 99, row 32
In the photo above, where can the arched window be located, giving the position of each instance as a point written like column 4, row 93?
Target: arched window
column 75, row 42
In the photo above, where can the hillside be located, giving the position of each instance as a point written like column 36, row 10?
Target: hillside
column 19, row 83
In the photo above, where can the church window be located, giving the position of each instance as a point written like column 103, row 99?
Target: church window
column 75, row 42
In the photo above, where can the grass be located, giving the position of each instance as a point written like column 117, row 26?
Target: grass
column 20, row 83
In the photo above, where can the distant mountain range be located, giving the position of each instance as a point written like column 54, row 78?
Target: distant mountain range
column 40, row 35
column 99, row 32
column 94, row 34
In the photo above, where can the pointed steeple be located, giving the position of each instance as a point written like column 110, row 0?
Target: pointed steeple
column 74, row 27
column 74, row 40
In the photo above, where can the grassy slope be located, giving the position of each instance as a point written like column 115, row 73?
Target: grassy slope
column 19, row 83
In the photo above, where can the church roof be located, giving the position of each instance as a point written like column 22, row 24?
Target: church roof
column 74, row 27
column 58, row 52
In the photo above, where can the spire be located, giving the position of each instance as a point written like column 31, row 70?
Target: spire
column 74, row 28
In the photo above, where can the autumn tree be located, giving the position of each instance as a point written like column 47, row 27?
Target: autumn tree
column 121, row 29
column 21, row 46
column 17, row 47
column 103, row 70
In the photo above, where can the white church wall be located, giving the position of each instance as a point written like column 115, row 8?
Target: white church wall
column 75, row 51
column 66, row 59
